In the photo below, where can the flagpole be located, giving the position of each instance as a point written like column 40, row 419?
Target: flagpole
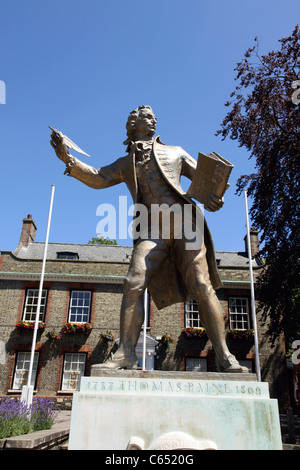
column 257, row 362
column 145, row 326
column 27, row 391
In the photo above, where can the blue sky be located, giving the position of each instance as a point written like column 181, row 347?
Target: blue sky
column 81, row 67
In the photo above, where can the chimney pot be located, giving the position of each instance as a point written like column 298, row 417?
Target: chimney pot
column 254, row 243
column 28, row 231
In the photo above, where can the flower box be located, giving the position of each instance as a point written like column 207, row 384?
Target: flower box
column 241, row 334
column 195, row 332
column 29, row 326
column 71, row 328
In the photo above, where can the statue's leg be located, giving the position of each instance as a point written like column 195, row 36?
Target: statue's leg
column 212, row 317
column 194, row 270
column 147, row 258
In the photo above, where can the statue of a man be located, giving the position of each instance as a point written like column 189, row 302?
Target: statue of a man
column 172, row 273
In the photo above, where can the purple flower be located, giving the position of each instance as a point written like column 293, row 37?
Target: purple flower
column 16, row 418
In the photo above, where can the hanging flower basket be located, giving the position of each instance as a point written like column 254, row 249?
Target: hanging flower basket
column 53, row 335
column 107, row 336
column 29, row 326
column 241, row 334
column 71, row 328
column 194, row 332
column 167, row 340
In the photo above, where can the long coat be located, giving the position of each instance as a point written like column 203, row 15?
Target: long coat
column 172, row 162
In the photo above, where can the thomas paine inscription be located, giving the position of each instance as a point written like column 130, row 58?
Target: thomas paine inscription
column 174, row 387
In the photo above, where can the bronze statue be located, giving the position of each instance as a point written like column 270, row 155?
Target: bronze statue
column 172, row 273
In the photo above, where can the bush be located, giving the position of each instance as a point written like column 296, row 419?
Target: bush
column 16, row 418
column 13, row 418
column 43, row 413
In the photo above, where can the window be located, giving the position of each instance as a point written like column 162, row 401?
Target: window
column 238, row 313
column 80, row 305
column 31, row 301
column 66, row 255
column 196, row 364
column 73, row 370
column 192, row 317
column 22, row 368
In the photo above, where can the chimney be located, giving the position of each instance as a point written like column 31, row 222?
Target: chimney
column 254, row 244
column 28, row 231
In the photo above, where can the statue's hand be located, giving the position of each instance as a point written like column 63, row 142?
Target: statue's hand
column 214, row 203
column 61, row 149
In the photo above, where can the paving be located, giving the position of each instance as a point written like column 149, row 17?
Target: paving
column 55, row 438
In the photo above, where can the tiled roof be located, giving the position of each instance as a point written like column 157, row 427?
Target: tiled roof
column 114, row 253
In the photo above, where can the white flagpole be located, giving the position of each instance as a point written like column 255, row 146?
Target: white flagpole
column 252, row 291
column 27, row 391
column 145, row 327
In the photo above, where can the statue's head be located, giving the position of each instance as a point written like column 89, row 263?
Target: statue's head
column 141, row 123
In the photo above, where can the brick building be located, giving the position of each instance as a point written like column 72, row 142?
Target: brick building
column 83, row 290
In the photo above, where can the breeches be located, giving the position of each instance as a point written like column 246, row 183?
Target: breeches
column 148, row 257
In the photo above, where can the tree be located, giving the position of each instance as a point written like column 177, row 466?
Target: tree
column 264, row 117
column 100, row 240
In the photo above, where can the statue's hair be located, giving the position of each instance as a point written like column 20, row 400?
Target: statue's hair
column 133, row 115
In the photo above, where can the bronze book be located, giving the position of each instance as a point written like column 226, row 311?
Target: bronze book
column 211, row 177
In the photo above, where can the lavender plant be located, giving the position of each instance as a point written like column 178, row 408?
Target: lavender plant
column 16, row 418
column 43, row 413
column 13, row 418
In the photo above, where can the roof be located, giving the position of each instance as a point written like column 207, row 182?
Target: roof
column 112, row 253
column 235, row 258
column 115, row 253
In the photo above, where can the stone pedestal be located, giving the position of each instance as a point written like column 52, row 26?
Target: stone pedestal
column 115, row 408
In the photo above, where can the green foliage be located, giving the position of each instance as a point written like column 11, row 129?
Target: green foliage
column 107, row 336
column 265, row 120
column 100, row 240
column 16, row 418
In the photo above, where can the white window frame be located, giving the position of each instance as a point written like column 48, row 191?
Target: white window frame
column 30, row 305
column 191, row 315
column 78, row 311
column 73, row 369
column 22, row 368
column 239, row 318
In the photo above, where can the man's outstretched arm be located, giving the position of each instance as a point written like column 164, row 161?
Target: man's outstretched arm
column 94, row 178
